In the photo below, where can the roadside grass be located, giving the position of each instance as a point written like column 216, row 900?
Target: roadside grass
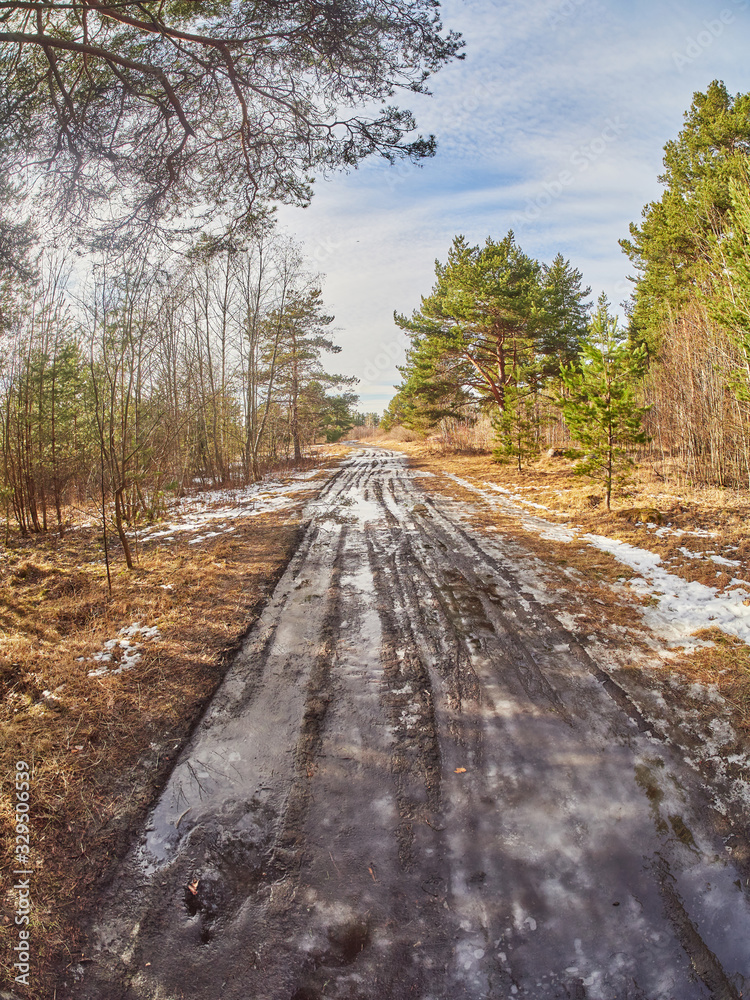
column 686, row 526
column 100, row 747
column 695, row 530
column 726, row 665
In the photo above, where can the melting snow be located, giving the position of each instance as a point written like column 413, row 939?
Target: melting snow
column 669, row 530
column 545, row 529
column 129, row 651
column 515, row 496
column 709, row 555
column 216, row 509
column 683, row 607
column 725, row 562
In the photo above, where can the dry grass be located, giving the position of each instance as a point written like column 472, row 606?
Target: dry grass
column 704, row 521
column 726, row 665
column 101, row 747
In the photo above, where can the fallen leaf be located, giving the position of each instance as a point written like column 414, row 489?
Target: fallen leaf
column 460, row 770
column 193, row 887
column 372, row 873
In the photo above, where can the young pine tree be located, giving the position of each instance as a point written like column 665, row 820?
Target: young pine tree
column 601, row 408
column 517, row 428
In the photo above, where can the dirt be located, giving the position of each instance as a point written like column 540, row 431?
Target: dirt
column 418, row 780
column 101, row 747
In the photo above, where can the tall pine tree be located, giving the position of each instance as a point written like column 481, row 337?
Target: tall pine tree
column 672, row 249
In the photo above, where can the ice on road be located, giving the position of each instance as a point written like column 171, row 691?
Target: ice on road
column 415, row 783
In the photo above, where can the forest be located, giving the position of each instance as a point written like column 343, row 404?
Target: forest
column 156, row 331
column 151, row 380
column 126, row 378
column 448, row 670
column 506, row 338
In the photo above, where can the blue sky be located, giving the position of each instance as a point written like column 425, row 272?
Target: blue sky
column 553, row 125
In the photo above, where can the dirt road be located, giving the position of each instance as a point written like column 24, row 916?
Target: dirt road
column 415, row 784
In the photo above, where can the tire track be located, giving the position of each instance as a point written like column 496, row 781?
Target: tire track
column 415, row 783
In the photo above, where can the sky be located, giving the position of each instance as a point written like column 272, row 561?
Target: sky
column 553, row 125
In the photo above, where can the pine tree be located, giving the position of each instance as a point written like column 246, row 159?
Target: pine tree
column 729, row 298
column 517, row 428
column 297, row 356
column 565, row 314
column 494, row 330
column 602, row 409
column 433, row 387
column 482, row 317
column 672, row 249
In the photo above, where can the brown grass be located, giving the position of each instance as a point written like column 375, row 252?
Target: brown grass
column 101, row 747
column 726, row 665
column 584, row 576
column 575, row 500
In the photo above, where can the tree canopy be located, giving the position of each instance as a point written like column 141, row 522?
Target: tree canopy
column 149, row 107
column 672, row 249
column 496, row 321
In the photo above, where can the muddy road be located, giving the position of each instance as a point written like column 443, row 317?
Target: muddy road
column 414, row 783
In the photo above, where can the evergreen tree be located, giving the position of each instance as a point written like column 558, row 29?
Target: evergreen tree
column 495, row 329
column 434, row 387
column 565, row 314
column 601, row 409
column 673, row 248
column 729, row 300
column 332, row 415
column 483, row 314
column 517, row 428
column 297, row 357
column 218, row 106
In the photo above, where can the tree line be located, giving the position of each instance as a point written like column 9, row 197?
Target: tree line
column 131, row 381
column 504, row 334
column 179, row 126
column 691, row 305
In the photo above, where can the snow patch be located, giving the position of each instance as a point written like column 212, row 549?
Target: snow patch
column 216, row 509
column 683, row 607
column 122, row 652
column 545, row 529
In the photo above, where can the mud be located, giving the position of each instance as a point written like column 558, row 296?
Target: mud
column 415, row 783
